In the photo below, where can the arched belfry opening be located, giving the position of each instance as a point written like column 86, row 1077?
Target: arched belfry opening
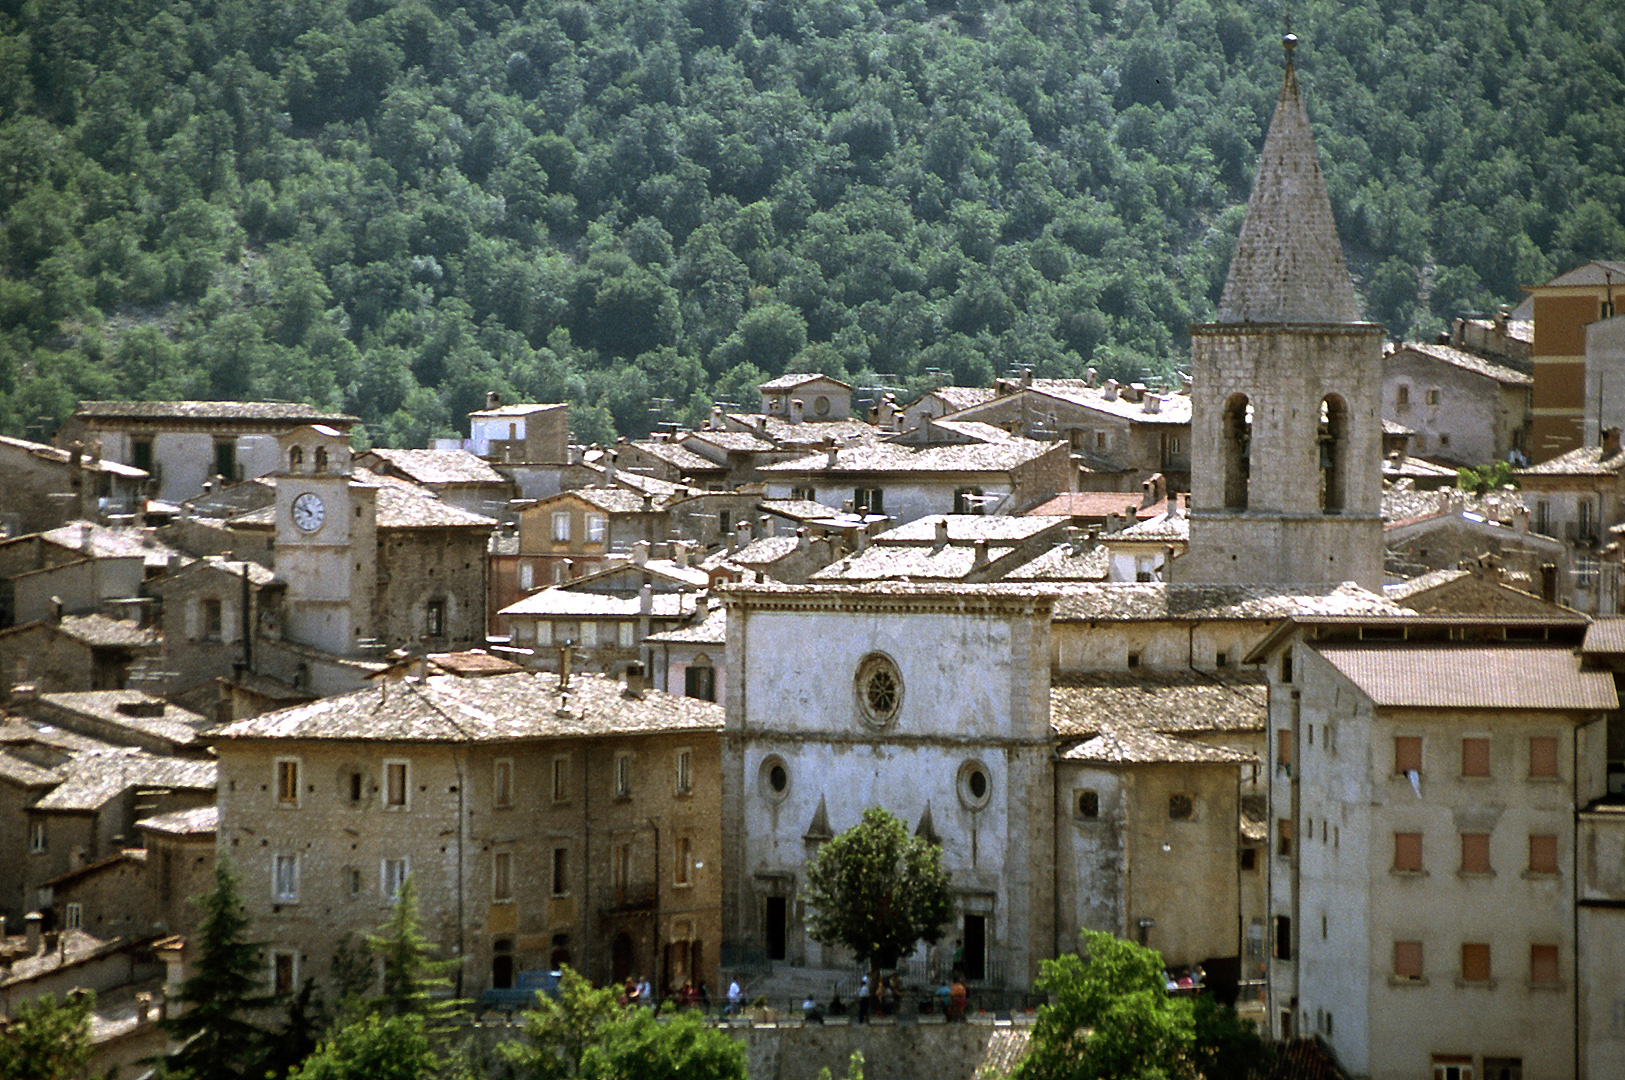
column 1238, row 437
column 1333, row 441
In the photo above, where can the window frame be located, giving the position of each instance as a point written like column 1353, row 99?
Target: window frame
column 683, row 765
column 1556, row 772
column 502, row 877
column 1409, row 853
column 597, row 528
column 1403, row 952
column 683, row 864
column 1477, row 963
column 560, row 527
column 394, row 767
column 73, row 915
column 279, row 986
column 1544, row 870
column 1475, row 855
column 285, row 877
column 559, row 883
column 1544, row 957
column 560, row 779
column 1403, row 744
column 1475, row 757
column 285, row 782
column 389, row 882
column 502, row 783
column 39, row 840
column 623, row 774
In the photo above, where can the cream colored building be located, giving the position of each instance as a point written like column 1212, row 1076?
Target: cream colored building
column 542, row 821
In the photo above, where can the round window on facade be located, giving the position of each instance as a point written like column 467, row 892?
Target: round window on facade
column 774, row 778
column 821, row 405
column 975, row 785
column 879, row 687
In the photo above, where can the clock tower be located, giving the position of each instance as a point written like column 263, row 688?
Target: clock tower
column 326, row 541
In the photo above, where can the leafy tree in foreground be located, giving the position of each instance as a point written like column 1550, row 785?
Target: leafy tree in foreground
column 219, row 1040
column 47, row 1041
column 373, row 1048
column 877, row 891
column 585, row 1033
column 1110, row 1016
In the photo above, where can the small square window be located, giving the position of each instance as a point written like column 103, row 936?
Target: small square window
column 1475, row 853
column 1543, row 756
column 1433, row 397
column 1408, row 852
column 1408, row 960
column 1543, row 965
column 1089, row 804
column 1407, row 754
column 1475, row 757
column 1542, row 853
column 1475, row 961
column 1283, row 837
column 1249, row 858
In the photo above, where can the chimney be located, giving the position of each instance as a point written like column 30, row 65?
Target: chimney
column 830, row 448
column 797, row 410
column 1089, row 377
column 609, row 466
column 85, row 536
column 801, row 539
column 981, row 554
column 1151, row 403
column 648, row 503
column 1148, row 494
column 715, row 423
column 33, row 920
column 737, row 537
column 1110, row 390
column 1026, row 377
column 1074, row 540
column 646, row 599
column 634, row 680
column 564, row 666
column 927, row 432
column 1520, row 519
column 942, row 535
column 1111, row 523
column 765, row 526
column 679, row 552
column 492, row 399
column 640, row 552
column 1548, row 582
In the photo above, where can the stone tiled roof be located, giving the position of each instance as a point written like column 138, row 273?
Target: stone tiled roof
column 712, row 630
column 1583, row 461
column 951, row 563
column 99, row 630
column 502, row 708
column 787, row 434
column 93, row 777
column 677, row 456
column 475, row 663
column 896, row 458
column 968, row 528
column 613, row 500
column 1156, row 602
column 1606, row 636
column 632, row 481
column 15, row 770
column 1471, row 677
column 401, row 505
column 1173, row 703
column 1404, row 590
column 47, row 452
column 1595, row 272
column 195, row 822
column 736, row 441
column 961, row 397
column 517, row 410
column 762, row 552
column 1131, row 745
column 1402, row 504
column 1171, row 408
column 921, row 590
column 802, row 510
column 1061, row 563
column 110, row 543
column 225, row 411
column 791, row 381
column 1163, row 527
column 1288, row 266
column 15, row 731
column 558, row 603
column 127, row 708
column 1470, row 362
column 974, row 430
column 1096, row 504
column 442, row 468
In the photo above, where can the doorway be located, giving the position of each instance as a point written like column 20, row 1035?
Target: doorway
column 777, row 926
column 975, row 947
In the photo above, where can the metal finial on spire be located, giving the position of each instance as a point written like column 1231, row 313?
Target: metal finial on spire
column 1289, row 41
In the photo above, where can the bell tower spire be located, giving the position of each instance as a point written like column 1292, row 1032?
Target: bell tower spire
column 1286, row 421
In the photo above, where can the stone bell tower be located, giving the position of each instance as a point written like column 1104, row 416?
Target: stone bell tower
column 1286, row 450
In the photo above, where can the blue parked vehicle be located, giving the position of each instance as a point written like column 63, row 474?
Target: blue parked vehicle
column 521, row 995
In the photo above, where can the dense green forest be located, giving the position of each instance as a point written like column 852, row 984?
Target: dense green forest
column 392, row 206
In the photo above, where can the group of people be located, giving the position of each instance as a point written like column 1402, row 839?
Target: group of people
column 692, row 995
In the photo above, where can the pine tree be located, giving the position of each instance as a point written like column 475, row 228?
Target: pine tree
column 411, row 974
column 215, row 1027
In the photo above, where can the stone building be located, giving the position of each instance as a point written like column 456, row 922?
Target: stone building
column 1459, row 407
column 47, row 486
column 1563, row 310
column 76, row 652
column 460, row 478
column 543, row 820
column 1286, row 405
column 184, row 444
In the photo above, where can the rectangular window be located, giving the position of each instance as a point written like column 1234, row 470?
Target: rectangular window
column 141, row 454
column 213, row 620
column 561, row 526
column 1452, row 1067
column 628, row 631
column 396, row 790
column 685, row 860
column 561, row 871
column 1283, row 750
column 391, row 877
column 597, row 528
column 1283, row 835
column 1543, row 965
column 36, row 836
column 1408, row 852
column 1542, row 854
column 700, row 681
column 1407, row 754
column 623, row 775
column 1433, row 397
column 502, row 782
column 225, row 459
column 1475, row 757
column 502, row 877
column 73, row 916
column 287, row 781
column 1543, row 756
column 1475, row 961
column 1408, row 960
column 1402, row 398
column 685, row 777
column 1283, row 937
column 285, row 878
column 284, row 972
column 1503, row 1068
column 352, row 879
column 1475, row 853
column 868, row 500
column 434, row 618
column 561, row 779
column 621, row 864
column 527, row 576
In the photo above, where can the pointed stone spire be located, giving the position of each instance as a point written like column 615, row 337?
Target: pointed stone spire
column 1288, row 265
column 926, row 830
column 818, row 828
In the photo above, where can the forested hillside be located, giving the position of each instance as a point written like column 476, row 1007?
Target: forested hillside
column 636, row 205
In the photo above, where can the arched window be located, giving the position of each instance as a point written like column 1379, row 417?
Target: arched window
column 1333, row 453
column 296, row 458
column 1238, row 436
column 321, row 459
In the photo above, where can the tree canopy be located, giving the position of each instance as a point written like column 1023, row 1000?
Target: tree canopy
column 393, row 208
column 47, row 1041
column 877, row 891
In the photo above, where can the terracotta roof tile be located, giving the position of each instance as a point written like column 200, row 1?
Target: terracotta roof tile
column 1159, row 602
column 283, row 411
column 1173, row 703
column 1471, row 676
column 1606, row 636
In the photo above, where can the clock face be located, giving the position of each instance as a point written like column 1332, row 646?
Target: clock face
column 308, row 511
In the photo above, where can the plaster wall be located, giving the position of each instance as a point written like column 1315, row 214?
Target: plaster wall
column 1160, row 646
